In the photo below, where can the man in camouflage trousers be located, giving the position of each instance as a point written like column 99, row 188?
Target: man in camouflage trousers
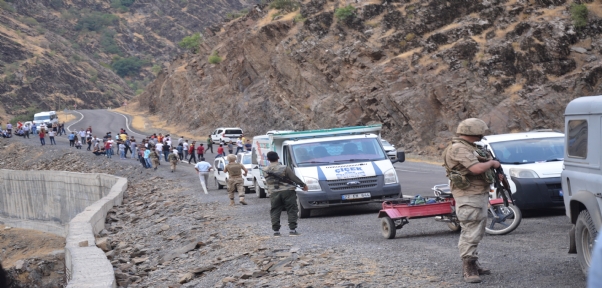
column 281, row 182
column 235, row 182
column 470, row 174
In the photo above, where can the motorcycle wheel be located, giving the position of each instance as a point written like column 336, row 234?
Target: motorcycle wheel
column 454, row 226
column 508, row 219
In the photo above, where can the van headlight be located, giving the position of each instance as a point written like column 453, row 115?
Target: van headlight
column 523, row 173
column 391, row 176
column 312, row 184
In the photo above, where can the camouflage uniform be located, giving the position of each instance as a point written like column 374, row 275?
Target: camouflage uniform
column 235, row 182
column 173, row 160
column 155, row 158
column 282, row 194
column 472, row 196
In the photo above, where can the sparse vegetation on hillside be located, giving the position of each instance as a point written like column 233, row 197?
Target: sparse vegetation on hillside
column 214, row 58
column 191, row 43
column 299, row 18
column 285, row 5
column 6, row 6
column 237, row 14
column 579, row 15
column 129, row 66
column 95, row 21
column 344, row 13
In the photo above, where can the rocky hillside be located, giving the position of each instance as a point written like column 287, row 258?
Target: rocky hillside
column 418, row 67
column 93, row 53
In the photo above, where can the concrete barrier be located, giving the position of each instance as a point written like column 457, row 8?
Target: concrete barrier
column 69, row 204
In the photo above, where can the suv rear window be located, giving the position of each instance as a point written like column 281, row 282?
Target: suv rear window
column 234, row 131
column 577, row 139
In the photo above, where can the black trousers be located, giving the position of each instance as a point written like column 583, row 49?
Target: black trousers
column 210, row 147
column 192, row 156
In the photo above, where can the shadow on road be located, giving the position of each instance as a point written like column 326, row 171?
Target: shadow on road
column 548, row 212
column 361, row 209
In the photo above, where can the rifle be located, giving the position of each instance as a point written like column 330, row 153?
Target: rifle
column 502, row 186
column 281, row 179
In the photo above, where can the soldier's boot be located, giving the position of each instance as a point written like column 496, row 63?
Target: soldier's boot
column 242, row 201
column 231, row 202
column 481, row 270
column 471, row 275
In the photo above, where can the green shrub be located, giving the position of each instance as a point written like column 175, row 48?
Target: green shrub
column 127, row 66
column 344, row 12
column 299, row 18
column 26, row 116
column 30, row 21
column 6, row 6
column 191, row 43
column 108, row 44
column 214, row 58
column 56, row 4
column 276, row 15
column 237, row 14
column 285, row 5
column 410, row 37
column 579, row 15
column 139, row 91
column 95, row 21
column 156, row 69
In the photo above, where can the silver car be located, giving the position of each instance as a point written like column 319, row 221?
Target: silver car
column 389, row 149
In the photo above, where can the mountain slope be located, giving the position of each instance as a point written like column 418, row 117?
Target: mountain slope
column 418, row 67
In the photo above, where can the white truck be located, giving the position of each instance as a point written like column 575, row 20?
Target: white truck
column 341, row 166
column 43, row 120
column 582, row 175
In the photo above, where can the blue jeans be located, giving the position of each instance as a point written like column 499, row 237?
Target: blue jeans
column 109, row 152
column 122, row 154
column 148, row 163
column 134, row 154
column 52, row 140
column 239, row 149
column 166, row 153
column 43, row 141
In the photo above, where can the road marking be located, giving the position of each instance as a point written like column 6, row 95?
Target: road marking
column 127, row 124
column 413, row 171
column 69, row 127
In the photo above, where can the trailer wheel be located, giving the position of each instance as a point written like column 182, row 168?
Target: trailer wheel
column 454, row 226
column 388, row 227
column 585, row 237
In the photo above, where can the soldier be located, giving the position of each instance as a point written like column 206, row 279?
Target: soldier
column 173, row 159
column 281, row 182
column 469, row 171
column 235, row 182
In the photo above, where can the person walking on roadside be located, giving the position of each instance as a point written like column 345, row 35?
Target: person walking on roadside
column 191, row 152
column 185, row 147
column 173, row 159
column 280, row 179
column 209, row 144
column 133, row 147
column 51, row 135
column 200, row 151
column 146, row 157
column 154, row 155
column 240, row 147
column 220, row 150
column 230, row 147
column 71, row 138
column 26, row 131
column 34, row 128
column 42, row 135
column 159, row 149
column 181, row 140
column 121, row 150
column 166, row 149
column 472, row 166
column 236, row 182
column 89, row 142
column 202, row 168
column 82, row 134
column 180, row 150
column 63, row 129
column 108, row 148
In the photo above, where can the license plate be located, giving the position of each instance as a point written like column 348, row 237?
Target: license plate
column 356, row 196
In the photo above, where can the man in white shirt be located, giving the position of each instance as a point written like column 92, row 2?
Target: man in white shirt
column 51, row 135
column 185, row 147
column 82, row 134
column 203, row 169
column 159, row 149
column 239, row 146
column 181, row 140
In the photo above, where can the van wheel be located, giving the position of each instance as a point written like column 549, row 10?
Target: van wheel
column 585, row 237
column 219, row 186
column 259, row 191
column 247, row 189
column 303, row 213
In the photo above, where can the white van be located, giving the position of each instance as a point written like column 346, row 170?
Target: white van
column 45, row 119
column 532, row 162
column 341, row 166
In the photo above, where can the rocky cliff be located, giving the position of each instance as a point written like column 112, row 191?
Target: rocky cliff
column 93, row 53
column 418, row 67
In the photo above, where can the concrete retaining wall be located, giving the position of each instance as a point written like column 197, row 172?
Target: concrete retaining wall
column 69, row 204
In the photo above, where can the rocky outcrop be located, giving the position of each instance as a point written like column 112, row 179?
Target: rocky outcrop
column 417, row 67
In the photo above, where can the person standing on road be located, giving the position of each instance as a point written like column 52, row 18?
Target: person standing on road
column 191, row 152
column 89, row 142
column 147, row 159
column 239, row 146
column 26, row 131
column 42, row 135
column 180, row 150
column 51, row 135
column 230, row 148
column 209, row 144
column 185, row 147
column 173, row 159
column 166, row 149
column 469, row 171
column 203, row 168
column 249, row 146
column 280, row 179
column 34, row 128
column 235, row 182
column 154, row 155
column 133, row 147
column 108, row 149
column 200, row 151
column 71, row 138
column 220, row 150
column 121, row 150
column 159, row 149
column 63, row 128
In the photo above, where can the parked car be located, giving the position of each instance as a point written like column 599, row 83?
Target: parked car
column 220, row 135
column 221, row 178
column 389, row 149
column 244, row 158
column 582, row 175
column 532, row 162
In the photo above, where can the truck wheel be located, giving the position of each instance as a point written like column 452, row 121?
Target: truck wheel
column 303, row 213
column 454, row 226
column 219, row 186
column 259, row 191
column 388, row 227
column 585, row 236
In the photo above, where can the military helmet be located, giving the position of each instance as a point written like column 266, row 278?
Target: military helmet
column 472, row 127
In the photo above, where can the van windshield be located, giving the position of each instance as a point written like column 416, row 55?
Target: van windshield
column 246, row 159
column 338, row 151
column 529, row 150
column 41, row 118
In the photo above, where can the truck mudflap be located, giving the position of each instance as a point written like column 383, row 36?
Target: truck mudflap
column 572, row 244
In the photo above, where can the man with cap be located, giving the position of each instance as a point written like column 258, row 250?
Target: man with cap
column 235, row 182
column 470, row 174
column 173, row 159
column 281, row 182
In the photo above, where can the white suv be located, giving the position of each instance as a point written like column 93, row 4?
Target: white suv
column 225, row 135
column 532, row 162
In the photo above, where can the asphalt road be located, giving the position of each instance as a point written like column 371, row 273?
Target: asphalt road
column 534, row 255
